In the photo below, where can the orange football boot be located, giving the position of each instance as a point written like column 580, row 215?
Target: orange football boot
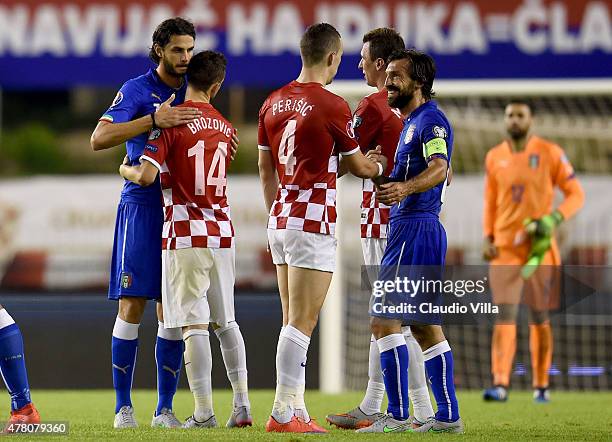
column 316, row 427
column 295, row 425
column 25, row 415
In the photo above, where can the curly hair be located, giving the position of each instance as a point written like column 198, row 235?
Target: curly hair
column 165, row 31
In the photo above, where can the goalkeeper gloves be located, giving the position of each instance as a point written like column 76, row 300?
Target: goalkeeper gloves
column 540, row 231
column 544, row 226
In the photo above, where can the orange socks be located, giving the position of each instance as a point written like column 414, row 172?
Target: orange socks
column 503, row 348
column 541, row 347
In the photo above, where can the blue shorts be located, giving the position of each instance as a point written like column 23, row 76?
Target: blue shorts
column 416, row 251
column 136, row 261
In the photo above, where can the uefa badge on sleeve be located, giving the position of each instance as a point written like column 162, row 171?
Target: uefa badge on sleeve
column 349, row 129
column 155, row 134
column 439, row 131
column 118, row 99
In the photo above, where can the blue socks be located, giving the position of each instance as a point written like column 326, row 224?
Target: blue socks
column 124, row 350
column 394, row 365
column 168, row 357
column 12, row 362
column 439, row 366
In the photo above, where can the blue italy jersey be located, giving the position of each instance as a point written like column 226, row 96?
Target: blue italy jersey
column 138, row 97
column 426, row 134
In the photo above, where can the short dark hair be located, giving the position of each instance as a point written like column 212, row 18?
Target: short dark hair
column 422, row 68
column 166, row 29
column 318, row 40
column 383, row 42
column 206, row 68
column 522, row 101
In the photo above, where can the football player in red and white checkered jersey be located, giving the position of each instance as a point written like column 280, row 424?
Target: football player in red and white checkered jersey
column 198, row 252
column 377, row 124
column 302, row 130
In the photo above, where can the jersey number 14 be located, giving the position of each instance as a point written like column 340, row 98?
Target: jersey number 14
column 218, row 164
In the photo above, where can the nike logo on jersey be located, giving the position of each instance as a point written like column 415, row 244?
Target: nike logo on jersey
column 122, row 369
column 174, row 372
column 155, row 96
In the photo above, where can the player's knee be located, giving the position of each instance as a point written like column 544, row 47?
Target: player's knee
column 507, row 314
column 427, row 335
column 221, row 329
column 131, row 309
column 538, row 317
column 381, row 327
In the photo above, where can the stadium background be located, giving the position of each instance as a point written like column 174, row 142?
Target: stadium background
column 61, row 63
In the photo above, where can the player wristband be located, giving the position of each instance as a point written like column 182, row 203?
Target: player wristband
column 380, row 169
column 153, row 119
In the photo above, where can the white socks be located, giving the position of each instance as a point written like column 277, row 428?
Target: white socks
column 125, row 330
column 290, row 372
column 417, row 381
column 234, row 357
column 375, row 392
column 198, row 365
column 170, row 334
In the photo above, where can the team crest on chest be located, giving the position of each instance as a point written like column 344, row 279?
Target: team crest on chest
column 534, row 160
column 439, row 131
column 409, row 134
column 357, row 120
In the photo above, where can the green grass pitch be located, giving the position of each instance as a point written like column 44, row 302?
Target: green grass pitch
column 570, row 416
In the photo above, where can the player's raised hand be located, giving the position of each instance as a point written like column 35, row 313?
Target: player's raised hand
column 234, row 144
column 391, row 193
column 168, row 116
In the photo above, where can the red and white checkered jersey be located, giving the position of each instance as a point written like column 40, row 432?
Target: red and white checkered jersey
column 375, row 123
column 192, row 160
column 305, row 127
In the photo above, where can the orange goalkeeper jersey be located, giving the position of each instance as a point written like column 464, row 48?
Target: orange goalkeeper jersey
column 520, row 185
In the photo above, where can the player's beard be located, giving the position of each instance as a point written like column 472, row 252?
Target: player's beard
column 402, row 98
column 170, row 69
column 517, row 133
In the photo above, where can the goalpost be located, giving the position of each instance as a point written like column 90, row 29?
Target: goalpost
column 573, row 113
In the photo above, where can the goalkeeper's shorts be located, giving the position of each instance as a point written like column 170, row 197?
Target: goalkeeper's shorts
column 540, row 292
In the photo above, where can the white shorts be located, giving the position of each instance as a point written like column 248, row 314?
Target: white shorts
column 303, row 249
column 373, row 250
column 198, row 286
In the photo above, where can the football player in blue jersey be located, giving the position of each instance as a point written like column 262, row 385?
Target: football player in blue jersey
column 142, row 104
column 416, row 242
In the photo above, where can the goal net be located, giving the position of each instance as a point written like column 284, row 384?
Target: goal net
column 575, row 115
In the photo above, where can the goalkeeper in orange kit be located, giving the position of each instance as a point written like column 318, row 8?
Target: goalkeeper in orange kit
column 519, row 225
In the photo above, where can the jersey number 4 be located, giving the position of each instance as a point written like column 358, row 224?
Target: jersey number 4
column 287, row 148
column 217, row 164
